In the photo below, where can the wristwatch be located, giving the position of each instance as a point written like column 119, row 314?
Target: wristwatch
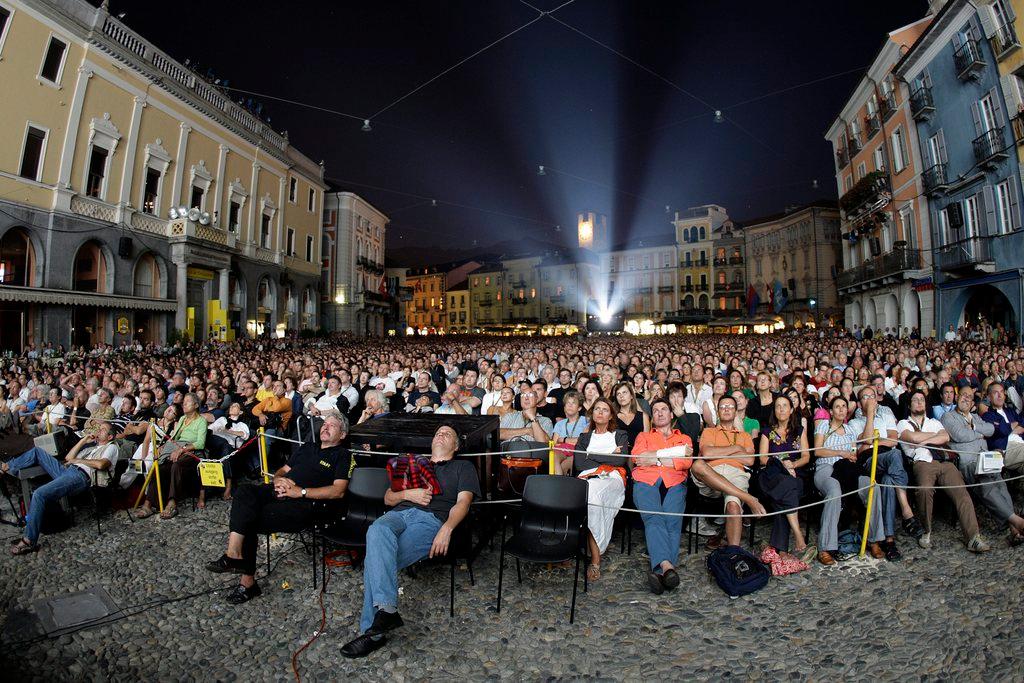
column 303, row 493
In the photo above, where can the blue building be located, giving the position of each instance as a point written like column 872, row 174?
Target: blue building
column 971, row 174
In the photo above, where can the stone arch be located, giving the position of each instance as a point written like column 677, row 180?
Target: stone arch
column 20, row 258
column 911, row 310
column 890, row 308
column 870, row 319
column 856, row 315
column 92, row 269
column 149, row 276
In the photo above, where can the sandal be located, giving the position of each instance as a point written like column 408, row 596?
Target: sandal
column 169, row 512
column 593, row 572
column 23, row 547
column 143, row 513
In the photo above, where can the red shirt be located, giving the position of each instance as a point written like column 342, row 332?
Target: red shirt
column 655, row 440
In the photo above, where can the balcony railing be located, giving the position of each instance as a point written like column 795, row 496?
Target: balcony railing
column 727, row 312
column 702, row 287
column 735, row 260
column 967, row 60
column 486, row 303
column 644, row 290
column 1004, row 41
column 934, row 179
column 892, row 263
column 842, row 157
column 866, row 191
column 720, row 261
column 887, row 106
column 989, row 147
column 694, row 315
column 666, row 289
column 688, row 287
column 519, row 300
column 855, row 144
column 971, row 253
column 921, row 104
column 872, row 124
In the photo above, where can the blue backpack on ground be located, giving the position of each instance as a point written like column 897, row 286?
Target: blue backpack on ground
column 736, row 571
column 849, row 542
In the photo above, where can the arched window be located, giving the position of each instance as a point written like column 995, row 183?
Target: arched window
column 90, row 269
column 17, row 259
column 703, row 233
column 146, row 281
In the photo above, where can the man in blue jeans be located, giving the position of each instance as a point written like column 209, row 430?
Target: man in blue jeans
column 94, row 452
column 419, row 525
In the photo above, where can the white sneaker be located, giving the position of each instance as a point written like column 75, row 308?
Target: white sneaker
column 978, row 545
column 706, row 529
column 925, row 541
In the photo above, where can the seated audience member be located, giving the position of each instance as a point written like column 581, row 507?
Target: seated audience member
column 1006, row 436
column 732, row 451
column 227, row 434
column 376, row 406
column 924, row 441
column 662, row 463
column 569, row 429
column 316, row 471
column 419, row 525
column 606, row 477
column 526, row 430
column 94, row 452
column 784, row 450
column 422, row 399
column 967, row 436
column 835, row 440
column 179, row 467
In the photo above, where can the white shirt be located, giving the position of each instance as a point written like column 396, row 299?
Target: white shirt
column 388, row 385
column 950, row 335
column 219, row 427
column 695, row 401
column 108, row 452
column 54, row 414
column 919, row 453
column 491, row 398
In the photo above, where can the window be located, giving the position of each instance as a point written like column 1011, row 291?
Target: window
column 703, row 233
column 899, row 150
column 880, row 159
column 5, row 20
column 309, row 248
column 97, row 171
column 293, row 188
column 934, row 150
column 53, row 62
column 862, row 170
column 290, row 244
column 1004, row 214
column 265, row 231
column 234, row 211
column 151, row 192
column 198, row 195
column 909, row 227
column 32, row 154
column 848, row 183
column 311, row 203
column 972, row 219
column 943, row 227
column 487, row 280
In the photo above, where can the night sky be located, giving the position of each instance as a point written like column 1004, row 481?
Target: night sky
column 614, row 138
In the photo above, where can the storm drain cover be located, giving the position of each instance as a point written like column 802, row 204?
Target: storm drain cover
column 74, row 609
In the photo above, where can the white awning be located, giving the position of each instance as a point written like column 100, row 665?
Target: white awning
column 63, row 297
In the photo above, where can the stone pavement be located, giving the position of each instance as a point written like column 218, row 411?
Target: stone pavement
column 938, row 614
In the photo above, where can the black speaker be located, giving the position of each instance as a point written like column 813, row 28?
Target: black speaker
column 792, row 283
column 124, row 247
column 955, row 215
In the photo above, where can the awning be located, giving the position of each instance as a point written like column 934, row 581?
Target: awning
column 63, row 297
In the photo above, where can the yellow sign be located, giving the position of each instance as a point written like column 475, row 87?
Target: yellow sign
column 200, row 274
column 122, row 325
column 211, row 473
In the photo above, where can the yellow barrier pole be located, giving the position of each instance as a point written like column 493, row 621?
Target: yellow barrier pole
column 156, row 466
column 263, row 455
column 871, row 495
column 145, row 482
column 46, row 418
column 552, row 468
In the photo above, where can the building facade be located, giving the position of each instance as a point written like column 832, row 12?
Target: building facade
column 460, row 319
column 729, row 286
column 695, row 235
column 792, row 259
column 425, row 311
column 886, row 279
column 104, row 135
column 354, row 289
column 643, row 280
column 971, row 174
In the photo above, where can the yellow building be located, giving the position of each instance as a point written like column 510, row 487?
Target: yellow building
column 460, row 318
column 425, row 312
column 1003, row 23
column 695, row 235
column 486, row 300
column 134, row 192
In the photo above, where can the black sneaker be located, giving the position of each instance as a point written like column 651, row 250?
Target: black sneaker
column 892, row 553
column 670, row 579
column 240, row 593
column 384, row 622
column 654, row 583
column 363, row 645
column 912, row 527
column 225, row 564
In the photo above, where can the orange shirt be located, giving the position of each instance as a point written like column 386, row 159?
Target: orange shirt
column 655, row 440
column 719, row 436
column 282, row 405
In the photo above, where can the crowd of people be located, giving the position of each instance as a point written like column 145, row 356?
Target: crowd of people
column 756, row 423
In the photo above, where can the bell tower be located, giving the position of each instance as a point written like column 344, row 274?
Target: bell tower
column 592, row 231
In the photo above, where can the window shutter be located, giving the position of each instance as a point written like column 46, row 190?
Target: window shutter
column 1014, row 205
column 1008, row 9
column 990, row 222
column 976, row 115
column 927, row 79
column 997, row 108
column 988, row 21
column 1010, row 93
column 942, row 147
column 904, row 147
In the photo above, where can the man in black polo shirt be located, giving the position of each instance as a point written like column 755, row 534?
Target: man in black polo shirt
column 316, row 471
column 419, row 525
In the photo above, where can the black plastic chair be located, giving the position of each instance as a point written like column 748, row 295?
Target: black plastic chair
column 365, row 499
column 460, row 546
column 552, row 528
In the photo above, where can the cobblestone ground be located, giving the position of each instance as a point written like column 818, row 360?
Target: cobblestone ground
column 938, row 614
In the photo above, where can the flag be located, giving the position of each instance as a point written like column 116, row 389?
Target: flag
column 779, row 299
column 382, row 286
column 752, row 301
column 771, row 296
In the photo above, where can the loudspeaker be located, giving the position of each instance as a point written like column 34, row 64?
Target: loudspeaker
column 124, row 247
column 792, row 283
column 955, row 215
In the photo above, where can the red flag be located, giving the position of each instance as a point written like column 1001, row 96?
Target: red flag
column 382, row 287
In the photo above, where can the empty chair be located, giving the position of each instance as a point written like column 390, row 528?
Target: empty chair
column 552, row 528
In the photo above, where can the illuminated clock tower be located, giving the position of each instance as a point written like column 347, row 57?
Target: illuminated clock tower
column 592, row 231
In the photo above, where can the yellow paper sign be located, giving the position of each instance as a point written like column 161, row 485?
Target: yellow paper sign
column 212, row 474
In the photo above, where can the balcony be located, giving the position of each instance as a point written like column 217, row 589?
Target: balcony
column 644, row 290
column 989, row 147
column 702, row 287
column 1004, row 41
column 519, row 300
column 727, row 312
column 886, row 265
column 866, row 193
column 694, row 315
column 967, row 60
column 688, row 287
column 855, row 144
column 872, row 124
column 371, row 299
column 666, row 289
column 842, row 157
column 934, row 179
column 887, row 106
column 921, row 104
column 720, row 261
column 518, row 284
column 486, row 303
column 973, row 253
column 735, row 260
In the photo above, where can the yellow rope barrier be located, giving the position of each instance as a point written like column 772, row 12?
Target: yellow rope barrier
column 871, row 495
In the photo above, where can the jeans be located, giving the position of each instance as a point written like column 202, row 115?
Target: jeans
column 890, row 471
column 393, row 542
column 828, row 537
column 66, row 481
column 661, row 531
